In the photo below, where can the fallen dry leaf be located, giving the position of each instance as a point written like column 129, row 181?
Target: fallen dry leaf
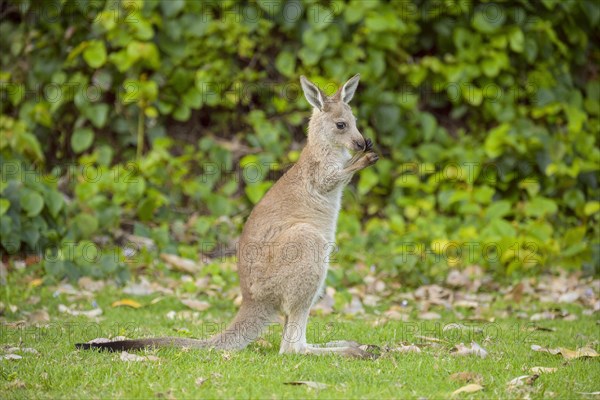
column 10, row 357
column 90, row 313
column 517, row 293
column 435, row 294
column 355, row 307
column 397, row 313
column 470, row 388
column 126, row 303
column 540, row 328
column 325, row 305
column 430, row 315
column 371, row 300
column 125, row 356
column 454, row 326
column 522, row 380
column 180, row 264
column 196, row 304
column 200, row 381
column 36, row 282
column 475, row 349
column 567, row 353
column 546, row 315
column 13, row 350
column 145, row 287
column 466, row 304
column 430, row 339
column 407, row 349
column 569, row 297
column 142, row 288
column 310, row 384
column 17, row 384
column 89, row 284
column 466, row 377
column 38, row 316
column 543, row 370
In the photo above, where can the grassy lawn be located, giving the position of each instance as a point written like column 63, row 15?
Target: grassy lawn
column 60, row 371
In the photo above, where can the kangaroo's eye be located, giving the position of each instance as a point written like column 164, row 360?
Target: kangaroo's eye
column 340, row 125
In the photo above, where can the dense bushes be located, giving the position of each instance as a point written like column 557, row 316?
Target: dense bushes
column 168, row 119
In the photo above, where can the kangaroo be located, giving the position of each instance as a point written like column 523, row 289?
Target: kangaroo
column 286, row 241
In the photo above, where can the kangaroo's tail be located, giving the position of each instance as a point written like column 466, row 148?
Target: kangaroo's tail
column 246, row 327
column 138, row 344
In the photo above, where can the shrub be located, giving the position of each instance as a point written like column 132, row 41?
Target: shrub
column 486, row 116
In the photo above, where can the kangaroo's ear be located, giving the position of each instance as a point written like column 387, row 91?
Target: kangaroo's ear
column 312, row 93
column 349, row 88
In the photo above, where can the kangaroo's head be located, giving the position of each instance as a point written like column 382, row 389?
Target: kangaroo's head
column 332, row 123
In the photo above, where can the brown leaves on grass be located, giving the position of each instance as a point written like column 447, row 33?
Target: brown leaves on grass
column 144, row 287
column 197, row 305
column 310, row 384
column 10, row 357
column 466, row 377
column 411, row 348
column 567, row 353
column 128, row 357
column 11, row 352
column 95, row 312
column 475, row 349
column 470, row 388
column 542, row 370
column 522, row 381
column 126, row 303
column 181, row 264
column 200, row 381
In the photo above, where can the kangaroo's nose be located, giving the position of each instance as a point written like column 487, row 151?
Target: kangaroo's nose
column 360, row 144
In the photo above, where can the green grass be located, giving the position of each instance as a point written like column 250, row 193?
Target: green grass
column 60, row 371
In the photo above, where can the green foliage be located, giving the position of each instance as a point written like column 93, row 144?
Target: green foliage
column 486, row 116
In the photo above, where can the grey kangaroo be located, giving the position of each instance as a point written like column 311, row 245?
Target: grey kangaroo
column 292, row 227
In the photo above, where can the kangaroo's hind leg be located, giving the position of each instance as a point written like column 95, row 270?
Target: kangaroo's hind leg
column 302, row 273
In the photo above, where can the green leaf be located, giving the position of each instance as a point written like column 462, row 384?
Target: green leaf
column 516, row 39
column 82, row 139
column 86, row 224
column 315, row 40
column 489, row 19
column 256, row 191
column 308, row 56
column 429, row 125
column 182, row 113
column 368, row 180
column 95, row 54
column 192, row 98
column 498, row 209
column 286, row 63
column 170, row 8
column 4, row 206
column 145, row 210
column 97, row 114
column 494, row 143
column 590, row 208
column 540, row 206
column 498, row 228
column 54, row 202
column 32, row 202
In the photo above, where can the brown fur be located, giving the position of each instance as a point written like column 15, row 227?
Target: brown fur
column 285, row 244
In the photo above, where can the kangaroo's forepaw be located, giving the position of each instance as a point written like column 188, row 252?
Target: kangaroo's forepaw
column 371, row 158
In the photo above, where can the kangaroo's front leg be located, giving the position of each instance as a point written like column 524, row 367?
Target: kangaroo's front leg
column 360, row 161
